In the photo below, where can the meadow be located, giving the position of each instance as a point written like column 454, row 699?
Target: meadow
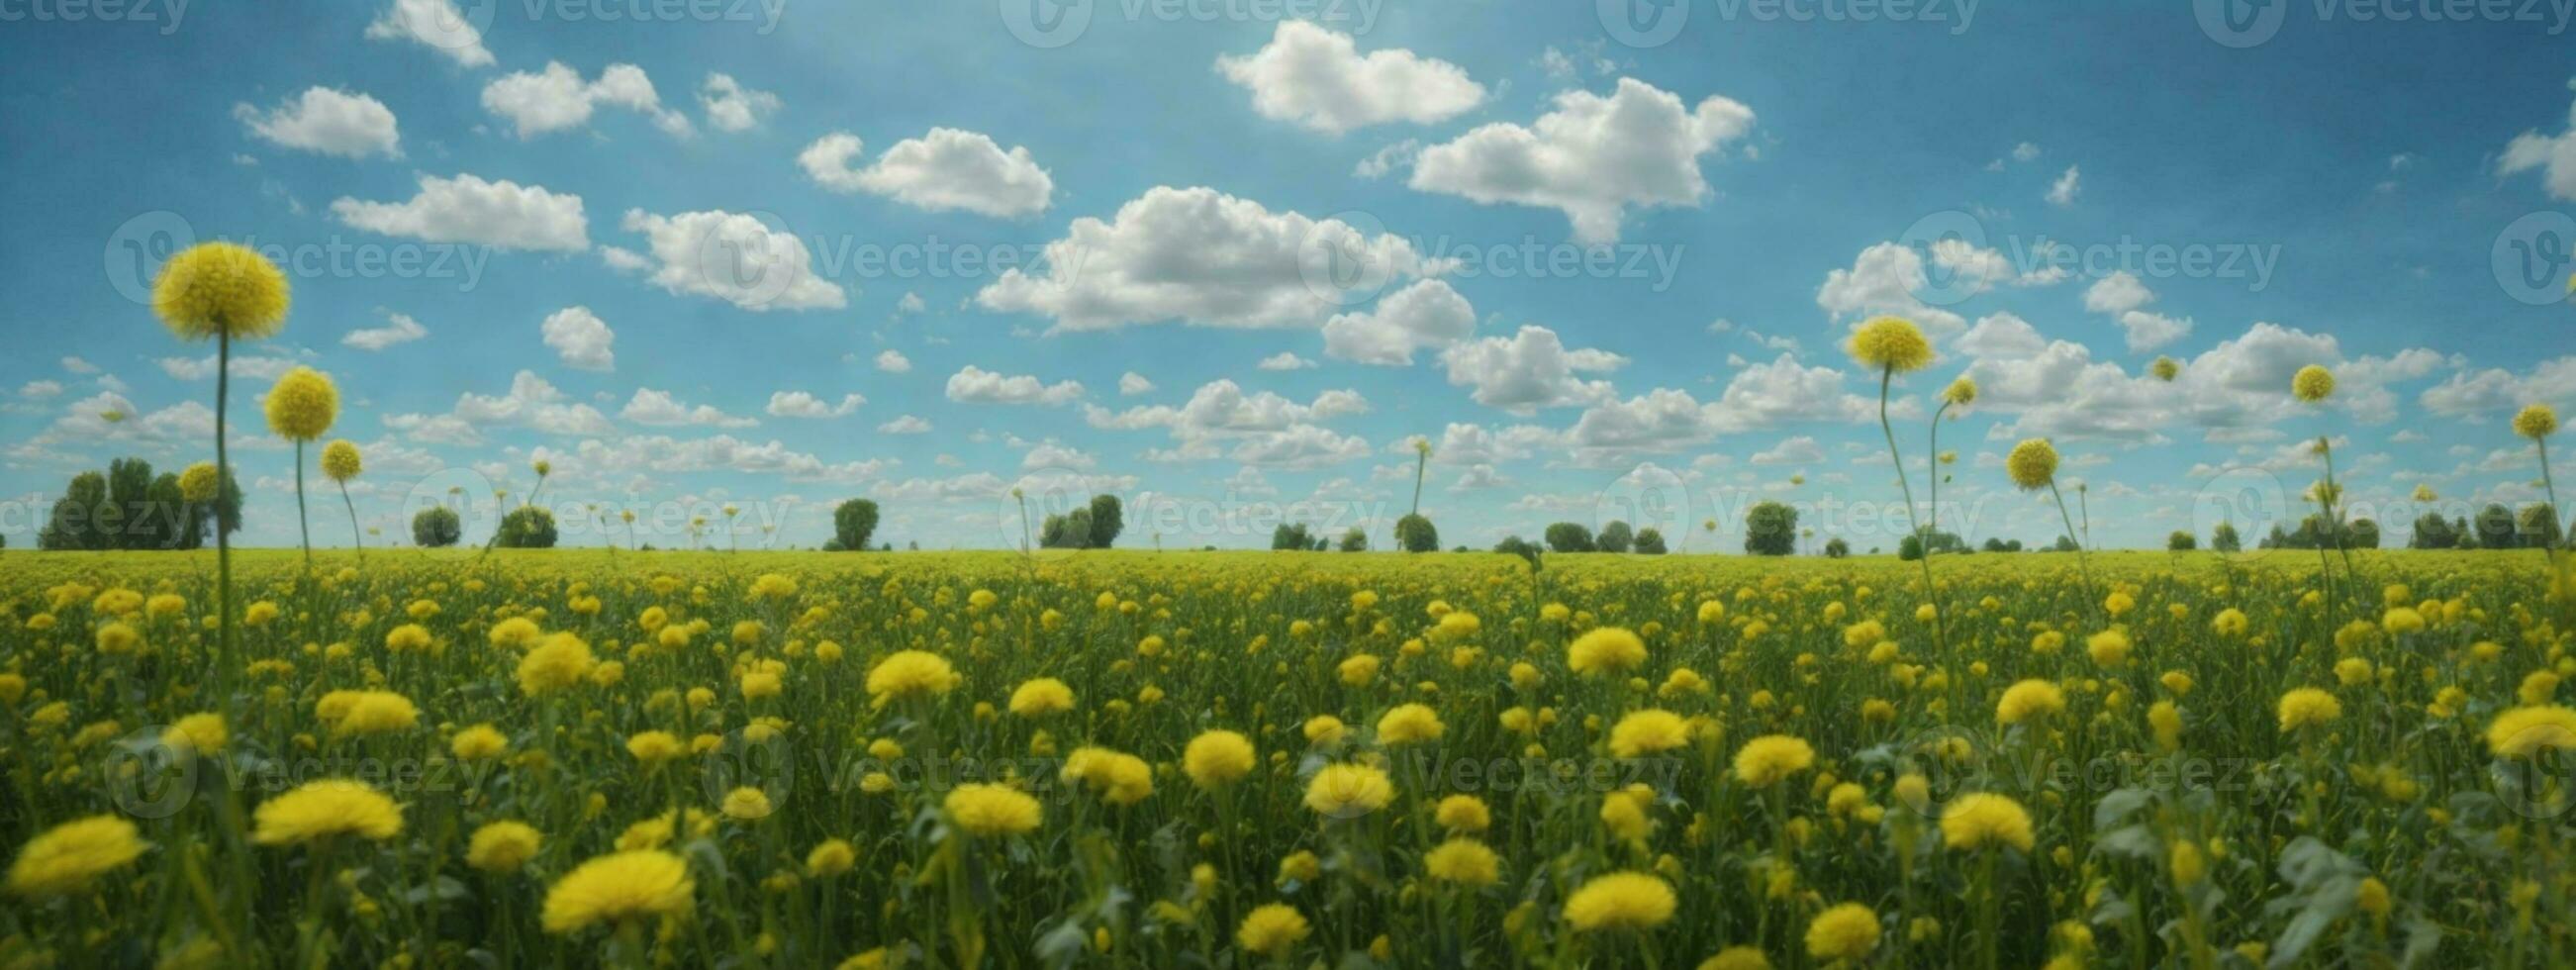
column 449, row 758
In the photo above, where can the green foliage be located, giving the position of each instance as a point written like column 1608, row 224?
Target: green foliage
column 526, row 527
column 436, row 527
column 1354, row 540
column 1414, row 533
column 1295, row 538
column 1770, row 529
column 1650, row 542
column 1615, row 537
column 2181, row 541
column 852, row 523
column 1570, row 537
column 1108, row 519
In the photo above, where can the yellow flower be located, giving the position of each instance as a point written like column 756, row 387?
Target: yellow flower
column 2312, row 383
column 478, row 743
column 1984, row 820
column 619, row 886
column 1607, row 650
column 372, row 712
column 502, row 847
column 1767, row 760
column 1961, row 392
column 2029, row 699
column 562, row 661
column 1324, row 730
column 746, row 804
column 1463, row 813
column 1217, row 758
column 1271, row 930
column 1737, row 958
column 983, row 809
column 1620, row 901
column 830, row 858
column 2527, row 731
column 1464, row 861
column 2308, row 707
column 324, row 809
column 1348, row 791
column 65, row 859
column 1891, row 344
column 220, row 288
column 201, row 734
column 2032, row 464
column 910, row 673
column 1648, row 732
column 1845, row 932
column 302, row 405
column 2166, row 369
column 1409, row 724
column 2536, row 421
column 340, row 460
column 1041, row 697
column 2372, row 896
column 654, row 747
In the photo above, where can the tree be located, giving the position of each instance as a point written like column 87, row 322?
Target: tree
column 74, row 523
column 2181, row 541
column 436, row 527
column 2495, row 528
column 1413, row 533
column 2224, row 539
column 1517, row 546
column 1071, row 530
column 526, row 527
column 127, row 520
column 1108, row 519
column 2361, row 534
column 1354, row 540
column 1993, row 544
column 1770, row 529
column 2538, row 526
column 1650, row 542
column 2433, row 532
column 1295, row 538
column 2065, row 544
column 1569, row 537
column 1614, row 537
column 1836, row 548
column 852, row 523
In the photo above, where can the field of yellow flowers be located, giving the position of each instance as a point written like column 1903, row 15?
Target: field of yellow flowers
column 1210, row 759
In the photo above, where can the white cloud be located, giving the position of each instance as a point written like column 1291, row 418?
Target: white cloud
column 732, row 107
column 799, row 404
column 2119, row 292
column 1317, row 78
column 907, row 424
column 1884, row 279
column 1799, row 450
column 79, row 366
column 1529, row 370
column 436, row 24
column 2064, row 190
column 1199, row 256
column 1592, row 157
column 399, row 328
column 944, row 170
column 1760, row 396
column 531, row 403
column 328, row 121
column 1132, row 383
column 1049, row 454
column 1284, row 360
column 2148, row 331
column 1427, row 315
column 40, row 389
column 2002, row 336
column 558, row 99
column 660, row 409
column 1265, row 429
column 1387, row 159
column 723, row 453
column 2554, row 157
column 261, row 368
column 466, row 209
column 2026, row 151
column 894, row 362
column 977, row 385
column 735, row 258
column 2498, row 393
column 581, row 338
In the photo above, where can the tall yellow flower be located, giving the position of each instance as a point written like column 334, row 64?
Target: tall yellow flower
column 2536, row 421
column 1620, row 901
column 220, row 289
column 2033, row 464
column 2312, row 384
column 2166, row 369
column 1217, row 758
column 993, row 810
column 2527, row 731
column 1271, row 930
column 1766, row 761
column 639, row 884
column 1985, row 820
column 340, row 460
column 66, row 859
column 2308, row 707
column 324, row 809
column 1892, row 344
column 1348, row 791
column 302, row 404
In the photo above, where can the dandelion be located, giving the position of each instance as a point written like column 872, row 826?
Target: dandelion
column 2033, row 466
column 1768, row 760
column 2166, row 369
column 561, row 661
column 1348, row 791
column 1041, row 697
column 2029, row 700
column 67, row 859
column 1981, row 821
column 1606, row 650
column 1463, row 861
column 1217, row 758
column 2526, row 732
column 990, row 810
column 1271, row 930
column 910, row 674
column 619, row 887
column 500, row 848
column 1409, row 724
column 2308, row 707
column 2312, row 384
column 1646, row 732
column 325, row 809
column 1620, row 901
column 1845, row 932
column 340, row 463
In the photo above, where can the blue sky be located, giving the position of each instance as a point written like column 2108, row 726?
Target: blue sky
column 1228, row 258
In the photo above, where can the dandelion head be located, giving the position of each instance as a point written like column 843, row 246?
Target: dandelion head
column 340, row 460
column 220, row 289
column 2312, row 384
column 1891, row 344
column 2032, row 464
column 302, row 404
column 2535, row 422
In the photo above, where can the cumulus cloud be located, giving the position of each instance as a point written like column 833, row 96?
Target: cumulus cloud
column 660, row 409
column 1132, row 383
column 2552, row 156
column 906, row 424
column 893, row 362
column 465, row 209
column 944, row 170
column 1529, row 370
column 1592, row 157
column 581, row 338
column 531, row 402
column 557, row 99
column 2063, row 191
column 1427, row 315
column 1202, row 257
column 976, row 385
column 328, row 121
column 1284, row 360
column 399, row 328
column 732, row 257
column 1318, row 78
column 732, row 107
column 435, row 24
column 799, row 404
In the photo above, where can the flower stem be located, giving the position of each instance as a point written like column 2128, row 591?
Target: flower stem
column 1922, row 543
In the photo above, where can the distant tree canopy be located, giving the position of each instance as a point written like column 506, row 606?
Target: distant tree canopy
column 1517, row 546
column 526, row 527
column 2537, row 527
column 852, row 523
column 1570, row 537
column 1615, row 537
column 132, row 509
column 1993, row 544
column 1910, row 548
column 1650, row 542
column 2181, row 541
column 1354, row 539
column 2494, row 528
column 1770, row 529
column 1296, row 538
column 1093, row 526
column 437, row 527
column 1108, row 518
column 1414, row 533
column 2224, row 538
column 2431, row 531
column 1836, row 548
